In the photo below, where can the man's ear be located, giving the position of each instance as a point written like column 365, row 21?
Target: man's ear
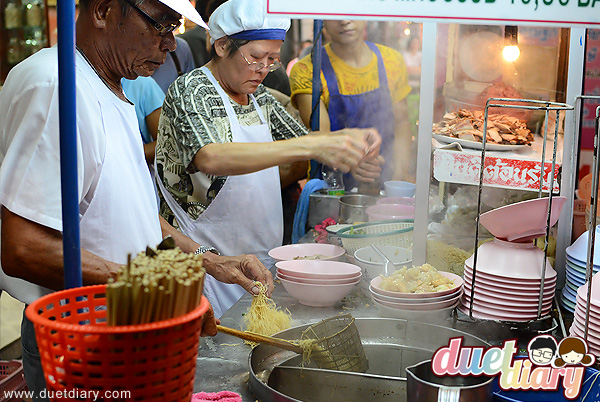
column 102, row 9
column 221, row 46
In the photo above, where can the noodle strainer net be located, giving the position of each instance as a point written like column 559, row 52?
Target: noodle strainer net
column 337, row 344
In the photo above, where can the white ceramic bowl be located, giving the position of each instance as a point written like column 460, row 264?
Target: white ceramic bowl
column 438, row 317
column 522, row 220
column 458, row 282
column 381, row 212
column 397, row 200
column 318, row 269
column 511, row 260
column 372, row 264
column 317, row 295
column 419, row 306
column 399, row 189
column 332, row 236
column 318, row 281
column 297, row 251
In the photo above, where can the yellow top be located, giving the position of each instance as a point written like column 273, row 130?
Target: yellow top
column 352, row 81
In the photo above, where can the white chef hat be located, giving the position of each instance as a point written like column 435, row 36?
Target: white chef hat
column 246, row 19
column 185, row 8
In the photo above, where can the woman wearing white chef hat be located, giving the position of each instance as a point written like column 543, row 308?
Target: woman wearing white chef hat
column 222, row 137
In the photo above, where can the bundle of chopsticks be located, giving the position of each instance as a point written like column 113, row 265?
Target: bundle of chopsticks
column 156, row 285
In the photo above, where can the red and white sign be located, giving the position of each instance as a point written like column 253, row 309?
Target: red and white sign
column 460, row 167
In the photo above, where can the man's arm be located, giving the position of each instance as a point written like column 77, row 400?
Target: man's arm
column 34, row 252
column 304, row 103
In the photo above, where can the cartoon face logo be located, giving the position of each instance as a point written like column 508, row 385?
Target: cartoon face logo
column 573, row 351
column 542, row 350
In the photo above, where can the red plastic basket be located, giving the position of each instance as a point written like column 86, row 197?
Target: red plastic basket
column 80, row 353
column 11, row 379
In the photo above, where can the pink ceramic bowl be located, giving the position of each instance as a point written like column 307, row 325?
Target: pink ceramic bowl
column 300, row 251
column 318, row 269
column 382, row 212
column 397, row 200
column 516, row 261
column 507, row 281
column 318, row 281
column 419, row 306
column 526, row 306
column 422, row 300
column 458, row 282
column 522, row 220
column 497, row 315
column 531, row 297
column 317, row 295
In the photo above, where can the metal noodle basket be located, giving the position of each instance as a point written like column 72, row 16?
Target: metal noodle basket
column 79, row 352
column 338, row 345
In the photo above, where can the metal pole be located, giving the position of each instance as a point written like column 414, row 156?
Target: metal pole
column 68, row 142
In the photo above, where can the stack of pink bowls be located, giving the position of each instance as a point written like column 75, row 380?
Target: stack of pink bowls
column 508, row 282
column 428, row 307
column 318, row 283
column 578, row 326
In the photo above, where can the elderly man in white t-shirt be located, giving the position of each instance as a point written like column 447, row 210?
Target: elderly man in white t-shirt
column 118, row 211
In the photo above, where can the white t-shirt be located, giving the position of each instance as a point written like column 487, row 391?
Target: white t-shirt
column 118, row 212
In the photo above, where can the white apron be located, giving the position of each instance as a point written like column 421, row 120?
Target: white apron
column 246, row 216
column 122, row 217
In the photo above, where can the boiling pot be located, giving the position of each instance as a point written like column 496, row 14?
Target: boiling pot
column 424, row 386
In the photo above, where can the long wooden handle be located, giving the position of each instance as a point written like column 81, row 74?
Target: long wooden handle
column 280, row 343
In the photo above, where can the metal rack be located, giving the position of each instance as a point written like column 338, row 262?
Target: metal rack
column 527, row 104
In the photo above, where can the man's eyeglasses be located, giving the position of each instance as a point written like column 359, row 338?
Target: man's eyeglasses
column 256, row 66
column 162, row 30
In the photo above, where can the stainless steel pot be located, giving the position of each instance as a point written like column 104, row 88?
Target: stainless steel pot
column 322, row 206
column 424, row 386
column 353, row 208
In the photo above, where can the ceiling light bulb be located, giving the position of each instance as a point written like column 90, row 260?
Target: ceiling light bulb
column 511, row 53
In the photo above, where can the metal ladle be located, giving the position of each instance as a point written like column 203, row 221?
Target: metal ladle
column 388, row 265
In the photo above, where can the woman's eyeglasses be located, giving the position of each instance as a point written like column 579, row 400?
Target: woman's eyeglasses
column 162, row 30
column 256, row 66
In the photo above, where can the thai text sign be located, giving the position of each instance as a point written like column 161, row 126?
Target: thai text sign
column 515, row 12
column 460, row 167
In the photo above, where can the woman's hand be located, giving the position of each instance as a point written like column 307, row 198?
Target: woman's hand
column 368, row 170
column 243, row 270
column 346, row 148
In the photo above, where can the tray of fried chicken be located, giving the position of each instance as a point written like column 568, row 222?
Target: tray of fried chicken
column 467, row 125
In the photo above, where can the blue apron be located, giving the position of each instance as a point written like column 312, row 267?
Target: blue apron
column 368, row 109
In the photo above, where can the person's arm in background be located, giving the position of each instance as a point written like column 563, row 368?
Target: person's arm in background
column 399, row 90
column 403, row 143
column 152, row 124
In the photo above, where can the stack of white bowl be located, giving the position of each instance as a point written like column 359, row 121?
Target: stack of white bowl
column 433, row 307
column 508, row 282
column 575, row 268
column 578, row 326
column 318, row 283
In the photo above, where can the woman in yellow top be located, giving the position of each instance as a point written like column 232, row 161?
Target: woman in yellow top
column 364, row 85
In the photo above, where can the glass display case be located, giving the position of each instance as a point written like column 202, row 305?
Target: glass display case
column 474, row 64
column 23, row 29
